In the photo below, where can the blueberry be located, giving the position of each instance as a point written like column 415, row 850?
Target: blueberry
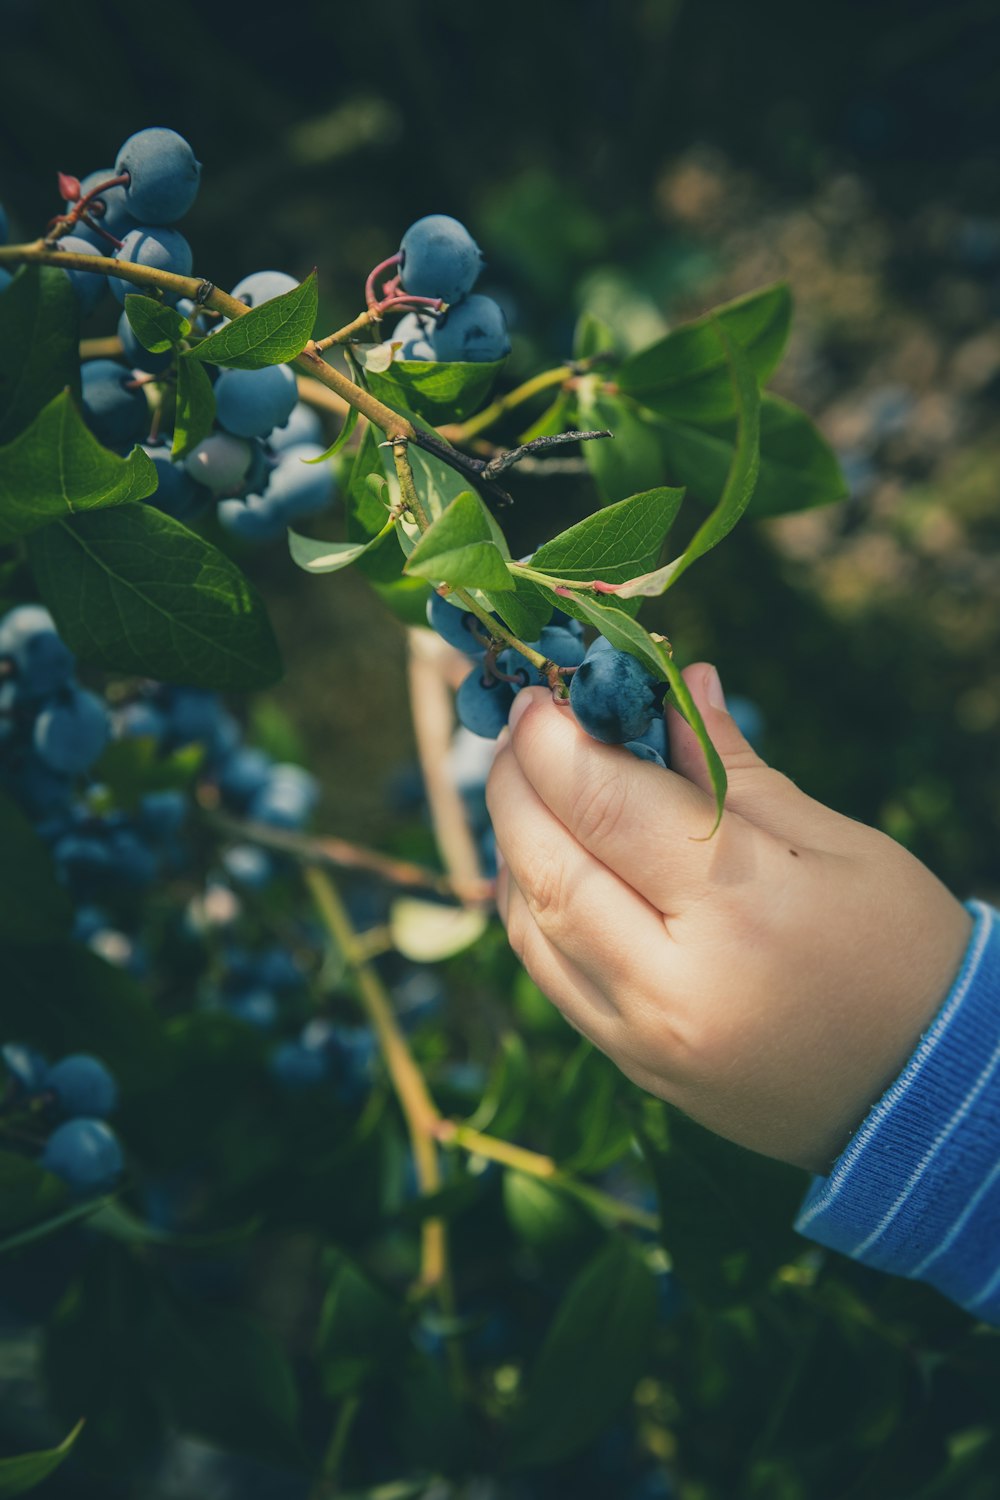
column 160, row 249
column 82, row 859
column 221, row 463
column 263, row 286
column 297, row 488
column 89, row 286
column 749, row 718
column 652, row 745
column 249, row 403
column 256, row 1007
column 456, row 625
column 277, row 969
column 287, row 799
column 439, row 258
column 243, row 774
column 4, row 226
column 601, row 643
column 114, row 408
column 85, row 1154
column 164, row 175
column 414, row 335
column 471, row 331
column 483, row 703
column 139, row 720
column 297, row 1067
column 176, row 493
column 26, row 1067
column 109, row 209
column 83, row 1086
column 43, row 663
column 249, row 865
column 254, row 519
column 614, row 697
column 130, row 861
column 71, row 733
column 303, row 426
column 643, row 751
column 162, row 813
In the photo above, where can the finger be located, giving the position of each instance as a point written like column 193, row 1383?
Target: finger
column 584, row 909
column 647, row 825
column 760, row 794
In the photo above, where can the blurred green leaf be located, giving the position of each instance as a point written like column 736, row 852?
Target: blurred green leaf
column 23, row 1473
column 39, row 345
column 798, row 468
column 508, row 1093
column 34, row 907
column 133, row 766
column 156, row 326
column 685, row 375
column 592, row 336
column 361, row 1330
column 459, row 549
column 438, row 392
column 555, row 418
column 270, row 334
column 132, row 590
column 593, row 1354
column 552, row 1222
column 28, row 1194
column 194, row 409
column 57, row 468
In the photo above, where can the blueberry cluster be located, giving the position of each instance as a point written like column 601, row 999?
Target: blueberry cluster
column 612, row 695
column 256, row 464
column 71, row 1099
column 439, row 259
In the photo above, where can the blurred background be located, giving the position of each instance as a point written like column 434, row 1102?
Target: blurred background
column 645, row 159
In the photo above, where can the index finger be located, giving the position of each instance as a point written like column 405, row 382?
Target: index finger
column 648, row 825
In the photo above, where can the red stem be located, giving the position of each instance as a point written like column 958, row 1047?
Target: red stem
column 370, row 296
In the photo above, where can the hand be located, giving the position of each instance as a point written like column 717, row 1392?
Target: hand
column 771, row 980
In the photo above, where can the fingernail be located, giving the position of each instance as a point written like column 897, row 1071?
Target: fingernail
column 503, row 737
column 713, row 690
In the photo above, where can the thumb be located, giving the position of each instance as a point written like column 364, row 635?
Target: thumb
column 755, row 791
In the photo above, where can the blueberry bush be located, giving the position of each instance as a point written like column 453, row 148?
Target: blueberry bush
column 304, row 1188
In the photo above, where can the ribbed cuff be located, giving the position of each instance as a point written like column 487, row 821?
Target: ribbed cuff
column 917, row 1190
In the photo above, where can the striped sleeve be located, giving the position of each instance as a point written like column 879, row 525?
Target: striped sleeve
column 917, row 1190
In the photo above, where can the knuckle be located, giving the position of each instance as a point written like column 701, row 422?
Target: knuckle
column 545, row 891
column 599, row 809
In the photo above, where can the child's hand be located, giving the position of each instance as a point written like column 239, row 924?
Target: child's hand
column 771, row 981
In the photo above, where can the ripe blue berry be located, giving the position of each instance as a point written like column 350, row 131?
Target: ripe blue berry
column 459, row 627
column 114, row 408
column 89, row 286
column 162, row 249
column 83, row 1086
column 249, row 403
column 263, row 286
column 483, row 703
column 414, row 335
column 221, row 463
column 297, row 488
column 71, row 733
column 439, row 258
column 303, row 426
column 249, row 865
column 176, row 493
column 85, row 1154
column 298, row 1067
column 243, row 774
column 42, row 662
column 287, row 799
column 471, row 331
column 164, row 175
column 614, row 697
column 25, row 1066
column 109, row 209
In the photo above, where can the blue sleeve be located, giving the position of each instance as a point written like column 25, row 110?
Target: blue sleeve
column 917, row 1190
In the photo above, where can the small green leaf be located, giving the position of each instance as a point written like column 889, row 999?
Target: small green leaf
column 194, row 412
column 57, row 468
column 316, row 556
column 23, row 1473
column 592, row 336
column 508, row 1094
column 739, row 486
column 615, row 543
column 341, row 440
column 39, row 345
column 685, row 703
column 132, row 590
column 685, row 375
column 156, row 326
column 592, row 1357
column 270, row 334
column 459, row 549
column 798, row 468
column 438, row 392
column 34, row 907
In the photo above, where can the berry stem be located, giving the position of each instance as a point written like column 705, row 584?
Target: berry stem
column 64, row 223
column 371, row 295
column 461, row 432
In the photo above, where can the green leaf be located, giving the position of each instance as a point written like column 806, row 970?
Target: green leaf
column 194, row 411
column 525, row 611
column 727, row 1212
column 683, row 701
column 361, row 1330
column 508, row 1094
column 316, row 556
column 57, row 468
column 592, row 336
column 132, row 590
column 738, row 489
column 613, row 544
column 28, row 1194
column 39, row 345
column 23, row 1473
column 459, row 548
column 34, row 907
column 113, row 1219
column 156, row 326
column 341, row 440
column 798, row 468
column 592, row 1357
column 44, row 1227
column 546, row 1218
column 624, row 633
column 438, row 392
column 685, row 375
column 135, row 765
column 631, row 460
column 270, row 334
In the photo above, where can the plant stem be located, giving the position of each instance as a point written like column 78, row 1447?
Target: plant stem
column 326, row 1485
column 206, row 294
column 408, row 1082
column 460, row 432
column 109, row 348
column 534, row 1164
